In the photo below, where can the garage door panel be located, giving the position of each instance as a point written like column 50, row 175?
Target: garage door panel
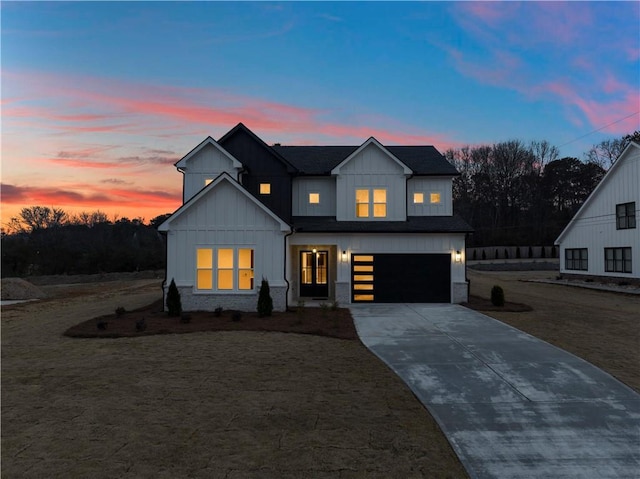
column 409, row 278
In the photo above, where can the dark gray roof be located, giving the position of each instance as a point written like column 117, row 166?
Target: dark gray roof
column 320, row 160
column 414, row 224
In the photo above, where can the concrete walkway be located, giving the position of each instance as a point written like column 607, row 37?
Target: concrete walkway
column 511, row 405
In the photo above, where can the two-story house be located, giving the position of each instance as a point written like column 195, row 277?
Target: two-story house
column 603, row 239
column 351, row 224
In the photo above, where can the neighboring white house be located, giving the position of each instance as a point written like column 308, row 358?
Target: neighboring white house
column 603, row 238
column 364, row 223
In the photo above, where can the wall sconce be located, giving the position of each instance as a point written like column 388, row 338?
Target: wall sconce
column 344, row 256
column 458, row 256
column 314, row 250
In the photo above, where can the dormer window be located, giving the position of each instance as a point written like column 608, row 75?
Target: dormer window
column 434, row 198
column 368, row 201
column 265, row 188
column 314, row 198
column 418, row 198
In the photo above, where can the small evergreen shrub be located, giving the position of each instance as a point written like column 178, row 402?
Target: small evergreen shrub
column 335, row 305
column 141, row 325
column 496, row 254
column 101, row 324
column 265, row 303
column 324, row 307
column 217, row 312
column 120, row 311
column 553, row 251
column 506, row 253
column 185, row 318
column 174, row 305
column 543, row 252
column 497, row 296
column 475, row 254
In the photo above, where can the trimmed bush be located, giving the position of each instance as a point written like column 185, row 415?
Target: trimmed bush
column 497, row 296
column 217, row 312
column 174, row 304
column 265, row 303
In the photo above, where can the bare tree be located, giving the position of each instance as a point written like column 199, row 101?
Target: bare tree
column 40, row 217
column 605, row 153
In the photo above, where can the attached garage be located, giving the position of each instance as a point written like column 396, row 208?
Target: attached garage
column 401, row 278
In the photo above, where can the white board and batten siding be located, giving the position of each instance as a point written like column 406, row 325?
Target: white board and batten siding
column 428, row 186
column 225, row 218
column 594, row 226
column 322, row 186
column 371, row 168
column 205, row 165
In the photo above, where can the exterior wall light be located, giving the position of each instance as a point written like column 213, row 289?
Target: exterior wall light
column 344, row 256
column 314, row 250
column 458, row 256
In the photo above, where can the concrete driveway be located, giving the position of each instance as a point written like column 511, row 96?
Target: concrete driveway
column 511, row 405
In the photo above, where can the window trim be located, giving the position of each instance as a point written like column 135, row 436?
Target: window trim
column 614, row 263
column 579, row 263
column 626, row 220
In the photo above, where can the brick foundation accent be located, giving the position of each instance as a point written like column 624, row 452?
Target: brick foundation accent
column 240, row 302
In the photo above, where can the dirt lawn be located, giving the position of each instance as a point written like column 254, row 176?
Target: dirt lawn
column 230, row 404
column 599, row 326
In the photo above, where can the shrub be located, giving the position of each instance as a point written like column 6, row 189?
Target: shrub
column 475, row 254
column 141, row 325
column 497, row 296
column 497, row 256
column 553, row 251
column 543, row 253
column 217, row 312
column 335, row 305
column 324, row 307
column 174, row 305
column 101, row 324
column 236, row 316
column 265, row 303
column 120, row 311
column 506, row 253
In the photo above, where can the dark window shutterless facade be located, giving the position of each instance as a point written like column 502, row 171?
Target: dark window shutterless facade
column 626, row 216
column 617, row 260
column 576, row 259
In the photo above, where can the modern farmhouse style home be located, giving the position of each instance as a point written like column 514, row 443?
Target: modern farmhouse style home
column 603, row 238
column 350, row 224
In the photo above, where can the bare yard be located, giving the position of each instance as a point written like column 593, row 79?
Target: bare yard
column 231, row 404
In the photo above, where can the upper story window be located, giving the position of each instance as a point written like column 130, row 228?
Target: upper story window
column 434, row 198
column 371, row 202
column 265, row 188
column 314, row 198
column 626, row 216
column 418, row 198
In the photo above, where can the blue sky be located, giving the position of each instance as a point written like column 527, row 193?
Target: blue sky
column 100, row 98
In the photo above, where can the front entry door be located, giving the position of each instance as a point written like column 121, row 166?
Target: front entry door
column 314, row 274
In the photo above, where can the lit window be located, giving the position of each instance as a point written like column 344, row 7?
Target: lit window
column 314, row 198
column 207, row 181
column 362, row 203
column 245, row 269
column 434, row 198
column 380, row 203
column 204, row 267
column 225, row 268
column 418, row 198
column 265, row 188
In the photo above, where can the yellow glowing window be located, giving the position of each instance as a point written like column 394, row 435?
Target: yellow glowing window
column 359, row 258
column 363, row 277
column 204, row 268
column 363, row 287
column 265, row 188
column 363, row 297
column 225, row 268
column 434, row 198
column 418, row 198
column 245, row 268
column 314, row 198
column 379, row 203
column 362, row 203
column 363, row 268
column 207, row 181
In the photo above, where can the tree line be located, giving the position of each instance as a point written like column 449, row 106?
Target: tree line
column 45, row 241
column 520, row 194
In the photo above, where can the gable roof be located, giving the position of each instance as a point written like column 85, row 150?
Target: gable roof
column 224, row 176
column 320, row 160
column 371, row 141
column 596, row 190
column 181, row 164
column 241, row 127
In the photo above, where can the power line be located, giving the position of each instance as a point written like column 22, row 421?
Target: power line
column 598, row 129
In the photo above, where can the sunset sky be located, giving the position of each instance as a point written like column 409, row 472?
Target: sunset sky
column 99, row 99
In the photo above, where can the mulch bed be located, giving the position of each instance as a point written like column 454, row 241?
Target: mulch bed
column 483, row 304
column 321, row 322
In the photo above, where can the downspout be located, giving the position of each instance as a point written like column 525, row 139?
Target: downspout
column 286, row 294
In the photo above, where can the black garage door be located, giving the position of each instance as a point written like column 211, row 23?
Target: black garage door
column 401, row 278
